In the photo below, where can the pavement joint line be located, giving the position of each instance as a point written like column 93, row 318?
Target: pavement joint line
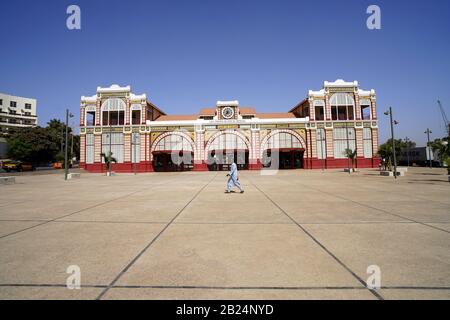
column 374, row 208
column 376, row 294
column 128, row 266
column 52, row 285
column 78, row 211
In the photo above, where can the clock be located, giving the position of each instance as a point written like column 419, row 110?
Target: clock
column 227, row 112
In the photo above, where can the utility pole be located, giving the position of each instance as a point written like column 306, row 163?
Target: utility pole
column 389, row 113
column 429, row 146
column 322, row 139
column 66, row 164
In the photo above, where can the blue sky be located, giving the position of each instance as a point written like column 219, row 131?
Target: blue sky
column 187, row 54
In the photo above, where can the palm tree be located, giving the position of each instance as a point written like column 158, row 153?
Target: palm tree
column 349, row 153
column 109, row 159
column 442, row 147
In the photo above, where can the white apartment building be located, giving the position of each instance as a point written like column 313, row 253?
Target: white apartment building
column 17, row 112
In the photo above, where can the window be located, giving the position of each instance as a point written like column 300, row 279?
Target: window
column 27, row 105
column 228, row 141
column 1, row 102
column 173, row 142
column 365, row 109
column 342, row 106
column 13, row 104
column 319, row 110
column 13, row 112
column 90, row 118
column 211, row 117
column 283, row 140
column 343, row 138
column 90, row 148
column 243, row 117
column 27, row 113
column 113, row 112
column 321, row 144
column 113, row 142
column 367, row 142
column 135, row 148
column 135, row 116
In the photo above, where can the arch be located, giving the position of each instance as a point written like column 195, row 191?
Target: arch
column 342, row 106
column 342, row 99
column 110, row 107
column 226, row 132
column 113, row 104
column 276, row 132
column 163, row 136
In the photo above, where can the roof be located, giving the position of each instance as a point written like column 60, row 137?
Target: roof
column 298, row 105
column 208, row 112
column 247, row 110
column 275, row 115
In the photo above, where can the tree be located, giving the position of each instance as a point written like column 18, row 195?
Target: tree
column 349, row 153
column 31, row 144
column 442, row 148
column 385, row 150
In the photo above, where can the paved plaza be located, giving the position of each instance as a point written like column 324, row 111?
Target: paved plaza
column 295, row 235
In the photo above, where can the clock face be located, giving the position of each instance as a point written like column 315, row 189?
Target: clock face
column 227, row 112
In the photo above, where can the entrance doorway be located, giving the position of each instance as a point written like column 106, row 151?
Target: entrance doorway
column 221, row 160
column 164, row 162
column 287, row 158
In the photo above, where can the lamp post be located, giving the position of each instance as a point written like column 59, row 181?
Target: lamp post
column 407, row 150
column 66, row 164
column 321, row 148
column 389, row 113
column 429, row 146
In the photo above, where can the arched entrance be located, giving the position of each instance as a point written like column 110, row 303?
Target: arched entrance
column 173, row 152
column 225, row 147
column 285, row 147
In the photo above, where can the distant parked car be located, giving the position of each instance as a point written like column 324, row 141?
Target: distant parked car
column 18, row 166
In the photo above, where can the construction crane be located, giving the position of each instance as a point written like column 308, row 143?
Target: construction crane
column 444, row 116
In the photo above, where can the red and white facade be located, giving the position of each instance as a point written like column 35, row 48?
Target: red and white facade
column 314, row 134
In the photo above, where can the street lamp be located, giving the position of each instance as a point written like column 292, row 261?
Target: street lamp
column 429, row 146
column 389, row 113
column 66, row 164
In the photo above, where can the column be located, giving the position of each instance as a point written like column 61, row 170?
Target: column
column 255, row 152
column 98, row 113
column 327, row 108
column 82, row 116
column 82, row 151
column 199, row 152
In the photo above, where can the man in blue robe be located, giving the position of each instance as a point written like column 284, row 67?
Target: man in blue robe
column 233, row 179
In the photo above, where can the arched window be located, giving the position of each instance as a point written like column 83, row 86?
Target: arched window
column 283, row 140
column 342, row 106
column 174, row 142
column 113, row 112
column 228, row 141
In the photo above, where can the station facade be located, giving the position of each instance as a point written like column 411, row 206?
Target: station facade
column 314, row 134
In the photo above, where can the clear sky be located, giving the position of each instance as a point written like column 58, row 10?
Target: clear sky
column 185, row 55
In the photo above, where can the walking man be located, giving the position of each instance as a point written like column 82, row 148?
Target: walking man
column 233, row 179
